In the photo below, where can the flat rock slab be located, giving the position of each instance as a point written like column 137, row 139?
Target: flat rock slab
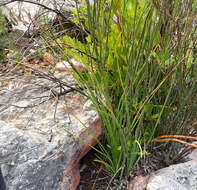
column 181, row 176
column 43, row 136
column 176, row 177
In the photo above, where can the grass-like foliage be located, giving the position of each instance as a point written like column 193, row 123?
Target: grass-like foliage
column 141, row 76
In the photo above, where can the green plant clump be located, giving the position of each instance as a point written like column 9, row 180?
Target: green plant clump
column 3, row 35
column 141, row 73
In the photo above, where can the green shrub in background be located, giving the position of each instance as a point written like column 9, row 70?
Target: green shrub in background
column 141, row 73
column 3, row 35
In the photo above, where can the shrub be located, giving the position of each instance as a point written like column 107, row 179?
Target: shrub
column 141, row 72
column 3, row 35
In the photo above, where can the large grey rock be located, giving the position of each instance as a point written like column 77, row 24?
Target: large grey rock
column 181, row 176
column 27, row 16
column 176, row 177
column 40, row 136
column 29, row 161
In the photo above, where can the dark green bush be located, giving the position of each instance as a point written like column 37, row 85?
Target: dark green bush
column 3, row 36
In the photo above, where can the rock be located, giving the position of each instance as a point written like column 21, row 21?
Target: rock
column 181, row 176
column 139, row 183
column 32, row 17
column 47, row 57
column 25, row 16
column 64, row 66
column 2, row 182
column 42, row 139
column 193, row 155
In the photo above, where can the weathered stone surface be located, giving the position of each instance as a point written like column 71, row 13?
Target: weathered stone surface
column 64, row 66
column 176, row 177
column 139, row 183
column 26, row 15
column 181, row 176
column 42, row 138
column 30, row 162
column 193, row 155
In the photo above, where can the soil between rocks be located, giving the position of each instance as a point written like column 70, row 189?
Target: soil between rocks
column 93, row 175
